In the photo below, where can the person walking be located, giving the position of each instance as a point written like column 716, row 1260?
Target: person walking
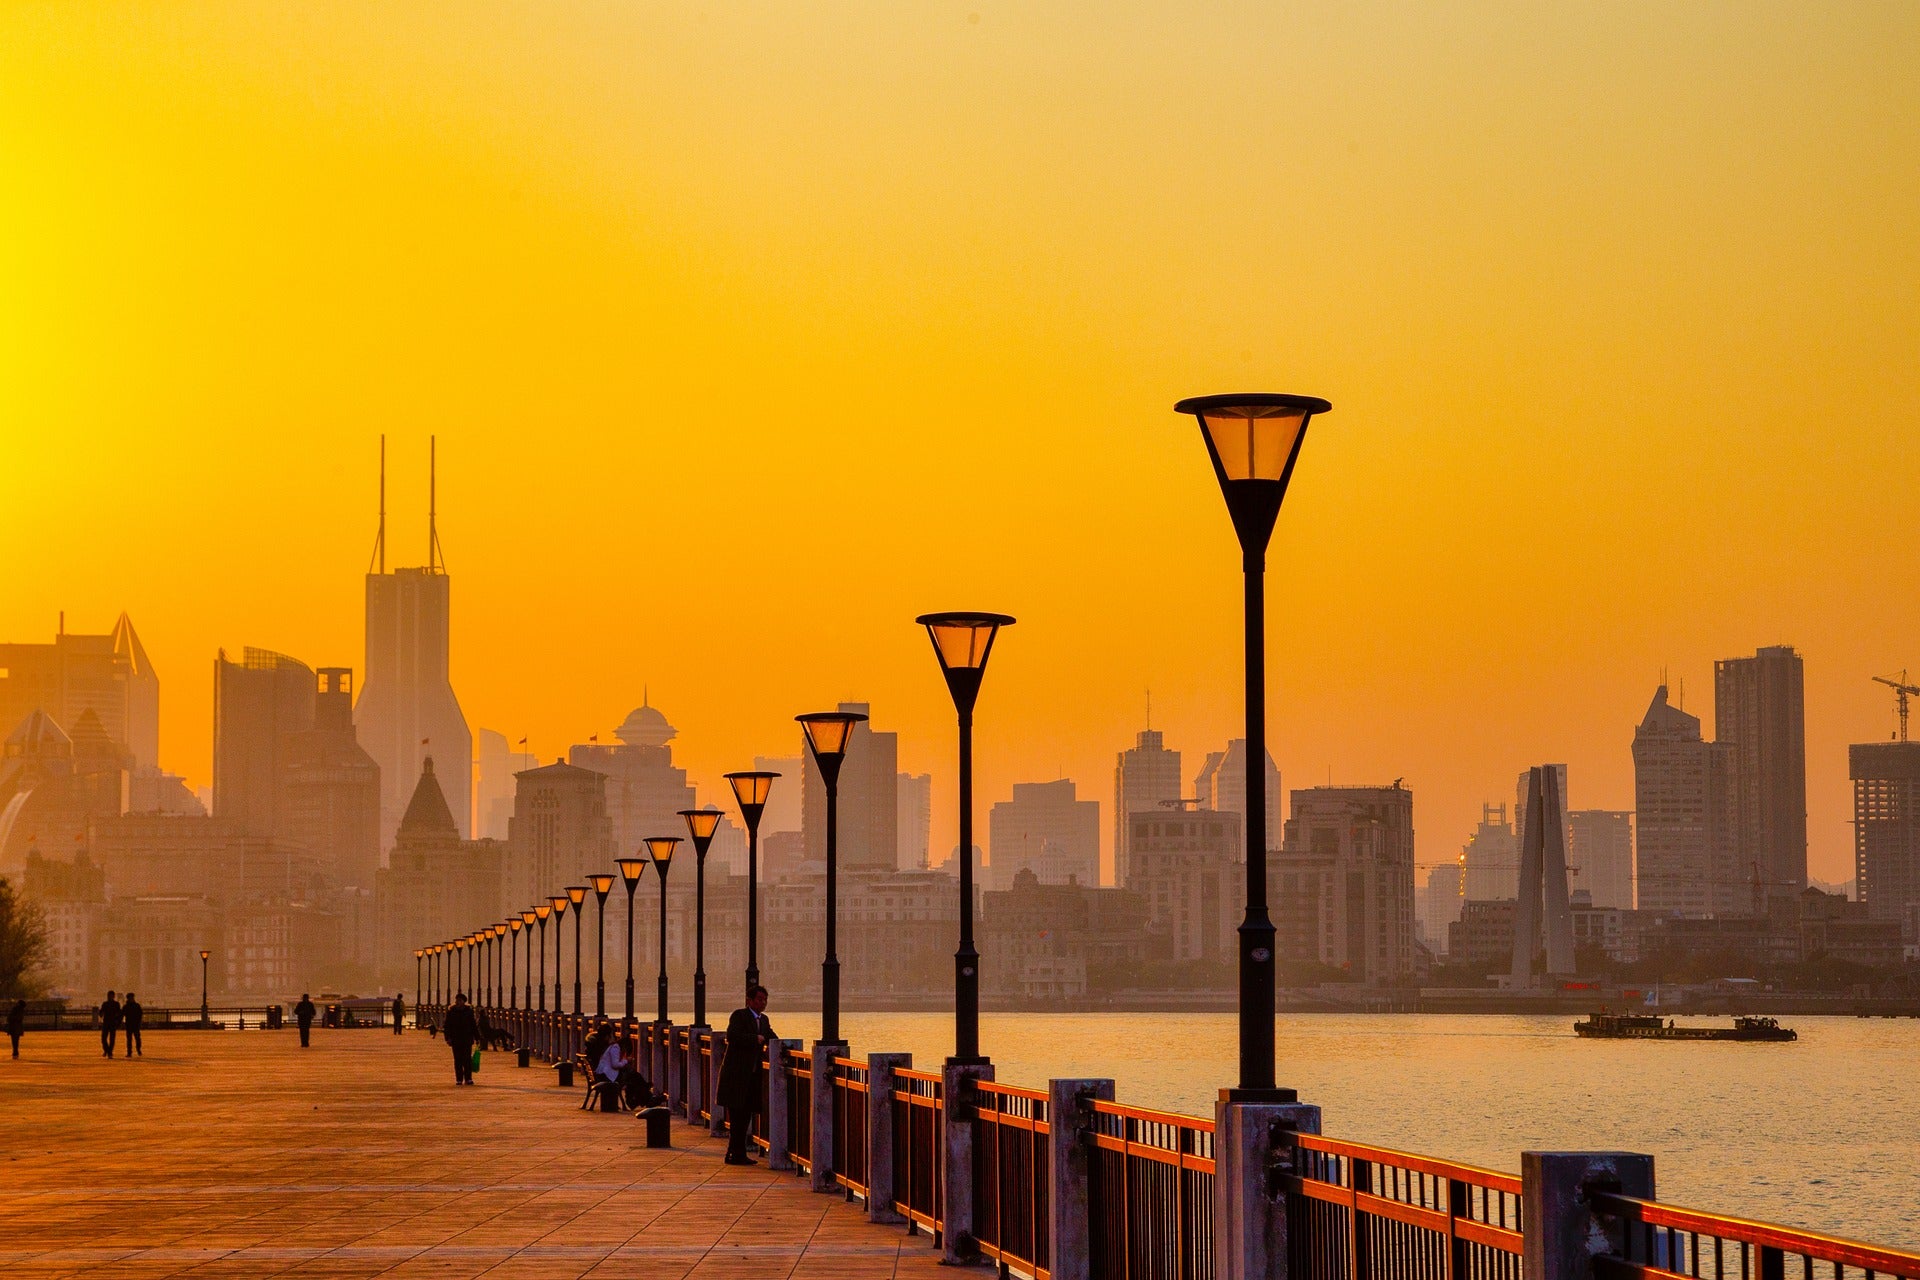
column 133, row 1015
column 17, row 1024
column 303, row 1014
column 399, row 1012
column 461, row 1030
column 743, row 1072
column 110, row 1014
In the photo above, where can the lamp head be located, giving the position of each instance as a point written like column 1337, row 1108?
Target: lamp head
column 516, row 924
column 602, row 886
column 631, row 869
column 963, row 642
column 1253, row 439
column 828, row 733
column 542, row 911
column 418, row 953
column 204, row 954
column 576, row 894
column 750, row 790
column 662, row 847
column 527, row 917
column 701, row 824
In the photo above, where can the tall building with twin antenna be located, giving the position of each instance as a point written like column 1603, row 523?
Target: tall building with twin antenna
column 407, row 709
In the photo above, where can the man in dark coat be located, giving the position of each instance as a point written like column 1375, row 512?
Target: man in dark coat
column 17, row 1024
column 132, row 1014
column 742, row 1073
column 109, row 1023
column 461, row 1030
column 399, row 1012
column 303, row 1014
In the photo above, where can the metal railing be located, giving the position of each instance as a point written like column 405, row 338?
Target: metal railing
column 1150, row 1184
column 705, row 1063
column 1357, row 1212
column 1665, row 1242
column 919, row 1139
column 799, row 1081
column 850, row 1126
column 759, row 1130
column 1012, row 1174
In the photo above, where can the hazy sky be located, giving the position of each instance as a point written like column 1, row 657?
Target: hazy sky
column 751, row 330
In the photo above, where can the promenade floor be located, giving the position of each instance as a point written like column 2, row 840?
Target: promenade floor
column 238, row 1154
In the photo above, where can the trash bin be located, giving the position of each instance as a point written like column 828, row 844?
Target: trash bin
column 274, row 1014
column 526, row 1057
column 565, row 1072
column 659, row 1122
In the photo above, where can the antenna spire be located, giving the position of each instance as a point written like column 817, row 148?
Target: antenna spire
column 379, row 564
column 436, row 562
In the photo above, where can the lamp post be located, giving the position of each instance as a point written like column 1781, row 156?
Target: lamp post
column 204, row 1017
column 750, row 791
column 1253, row 442
column 433, row 974
column 419, row 960
column 631, row 869
column 661, row 847
column 602, row 886
column 500, row 968
column 541, row 913
column 577, row 894
column 828, row 733
column 513, row 961
column 527, row 917
column 963, row 642
column 559, row 902
column 701, row 824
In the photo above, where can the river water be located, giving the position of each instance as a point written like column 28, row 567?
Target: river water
column 1823, row 1133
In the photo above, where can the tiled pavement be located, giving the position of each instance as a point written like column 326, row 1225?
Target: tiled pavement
column 238, row 1154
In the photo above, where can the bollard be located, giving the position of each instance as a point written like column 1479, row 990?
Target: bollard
column 881, row 1192
column 820, row 1175
column 1249, row 1205
column 957, row 1246
column 1070, row 1148
column 1564, row 1235
column 776, row 1110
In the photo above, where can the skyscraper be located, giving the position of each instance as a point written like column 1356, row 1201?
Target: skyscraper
column 560, row 832
column 259, row 703
column 107, row 674
column 1886, row 831
column 1601, row 847
column 1047, row 829
column 1759, row 714
column 1145, row 778
column 407, row 709
column 869, row 836
column 1490, row 862
column 1689, row 850
column 493, row 783
column 1221, row 785
column 1345, row 881
column 331, row 797
column 915, row 806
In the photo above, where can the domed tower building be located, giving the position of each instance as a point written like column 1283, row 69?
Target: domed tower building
column 645, row 790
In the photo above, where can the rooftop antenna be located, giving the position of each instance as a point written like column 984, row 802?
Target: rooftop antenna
column 1149, row 708
column 379, row 564
column 436, row 563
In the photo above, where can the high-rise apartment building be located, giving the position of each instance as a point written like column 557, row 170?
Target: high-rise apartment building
column 1145, row 778
column 1349, row 853
column 869, row 835
column 1186, row 863
column 1688, row 844
column 1600, row 848
column 645, row 790
column 1759, row 715
column 1886, row 830
column 259, row 703
column 560, row 831
column 1047, row 829
column 1221, row 785
column 1490, row 861
column 331, row 787
column 914, row 792
column 108, row 675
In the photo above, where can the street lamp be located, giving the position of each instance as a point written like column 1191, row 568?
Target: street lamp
column 500, row 967
column 433, row 974
column 750, row 793
column 559, row 902
column 204, row 1018
column 828, row 733
column 602, row 886
column 527, row 918
column 661, row 847
column 419, row 960
column 1253, row 442
column 631, row 869
column 962, row 642
column 541, row 913
column 701, row 824
column 577, row 894
column 513, row 961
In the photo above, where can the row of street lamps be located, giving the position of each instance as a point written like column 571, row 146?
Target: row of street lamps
column 1253, row 442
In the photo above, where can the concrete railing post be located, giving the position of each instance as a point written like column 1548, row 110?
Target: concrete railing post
column 820, row 1174
column 1249, row 1203
column 956, row 1168
column 777, row 1157
column 1070, row 1149
column 881, row 1192
column 1563, row 1234
column 716, row 1115
column 676, row 1075
column 699, row 1083
column 662, row 1058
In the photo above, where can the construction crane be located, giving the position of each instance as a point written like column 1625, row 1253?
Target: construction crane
column 1901, row 692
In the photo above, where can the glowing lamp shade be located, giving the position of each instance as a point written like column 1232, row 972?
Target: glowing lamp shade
column 828, row 731
column 603, row 885
column 516, row 924
column 417, row 953
column 751, row 788
column 1252, row 436
column 205, row 954
column 662, row 847
column 702, row 823
column 576, row 894
column 500, row 931
column 631, row 869
column 542, row 911
column 528, row 916
column 963, row 640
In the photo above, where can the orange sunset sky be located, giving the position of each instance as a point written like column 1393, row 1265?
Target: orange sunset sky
column 750, row 330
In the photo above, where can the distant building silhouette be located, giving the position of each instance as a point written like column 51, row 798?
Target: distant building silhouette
column 914, row 804
column 1048, row 830
column 1343, row 882
column 332, row 787
column 1145, row 777
column 1520, row 800
column 54, row 787
column 1688, row 842
column 1886, row 831
column 1185, row 862
column 645, row 790
column 1437, row 904
column 72, row 897
column 783, row 804
column 869, row 836
column 1543, row 920
column 493, row 783
column 560, row 832
column 109, row 675
column 1221, row 785
column 259, row 703
column 1490, row 861
column 1759, row 714
column 1053, row 942
column 436, row 885
column 1601, row 846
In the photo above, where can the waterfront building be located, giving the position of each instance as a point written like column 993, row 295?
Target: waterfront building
column 1146, row 778
column 1438, row 904
column 645, row 791
column 1047, row 829
column 1759, row 715
column 436, row 885
column 1490, row 860
column 1600, row 846
column 152, row 944
column 1186, row 864
column 72, row 897
column 896, row 932
column 493, row 784
column 174, row 855
column 914, row 804
column 1221, row 785
column 1050, row 942
column 1688, row 843
column 1615, row 932
column 869, row 835
column 560, row 832
column 273, row 949
column 1886, row 830
column 1483, row 935
column 1349, row 852
column 109, row 675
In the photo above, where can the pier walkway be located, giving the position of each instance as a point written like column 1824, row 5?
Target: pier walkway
column 238, row 1154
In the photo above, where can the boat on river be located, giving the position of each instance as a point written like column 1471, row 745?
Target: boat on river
column 1647, row 1026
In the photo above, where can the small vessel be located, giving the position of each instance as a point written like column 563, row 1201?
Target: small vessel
column 1647, row 1026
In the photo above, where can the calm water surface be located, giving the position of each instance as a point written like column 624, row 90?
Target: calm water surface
column 1823, row 1133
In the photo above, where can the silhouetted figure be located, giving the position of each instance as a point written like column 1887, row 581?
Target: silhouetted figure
column 133, row 1015
column 597, row 1041
column 399, row 1012
column 17, row 1024
column 110, row 1014
column 742, row 1073
column 303, row 1014
column 462, row 1029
